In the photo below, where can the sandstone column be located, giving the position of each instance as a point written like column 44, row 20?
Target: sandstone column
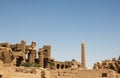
column 83, row 60
column 31, row 56
column 47, row 55
column 41, row 57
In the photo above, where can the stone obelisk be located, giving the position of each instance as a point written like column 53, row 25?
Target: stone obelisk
column 83, row 60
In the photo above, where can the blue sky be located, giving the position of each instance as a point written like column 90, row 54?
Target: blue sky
column 63, row 24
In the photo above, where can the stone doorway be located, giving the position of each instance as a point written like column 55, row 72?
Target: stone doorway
column 45, row 62
column 19, row 61
column 58, row 66
column 66, row 66
column 62, row 66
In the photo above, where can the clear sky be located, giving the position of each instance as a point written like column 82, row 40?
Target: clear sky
column 63, row 24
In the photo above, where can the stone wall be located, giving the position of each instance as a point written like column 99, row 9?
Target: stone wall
column 9, row 72
column 83, row 74
column 22, row 72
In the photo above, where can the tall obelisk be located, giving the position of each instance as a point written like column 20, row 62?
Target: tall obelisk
column 83, row 60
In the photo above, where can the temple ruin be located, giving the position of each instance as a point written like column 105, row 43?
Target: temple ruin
column 18, row 60
column 113, row 64
column 17, row 54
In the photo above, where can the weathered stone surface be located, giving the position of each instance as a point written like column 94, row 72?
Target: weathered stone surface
column 26, row 70
column 108, row 64
column 66, row 73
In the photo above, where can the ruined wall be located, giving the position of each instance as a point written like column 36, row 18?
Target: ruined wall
column 113, row 64
column 67, row 64
column 22, row 72
column 15, row 54
column 61, row 65
column 83, row 74
column 44, row 55
column 10, row 72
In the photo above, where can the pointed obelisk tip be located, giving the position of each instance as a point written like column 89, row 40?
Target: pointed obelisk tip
column 83, row 42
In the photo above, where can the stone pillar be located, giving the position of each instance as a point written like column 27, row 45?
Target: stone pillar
column 33, row 45
column 83, row 60
column 47, row 55
column 7, row 54
column 23, row 46
column 31, row 56
column 47, row 51
column 41, row 57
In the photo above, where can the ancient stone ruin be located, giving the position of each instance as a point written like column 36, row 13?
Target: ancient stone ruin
column 21, row 53
column 25, row 61
column 113, row 64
